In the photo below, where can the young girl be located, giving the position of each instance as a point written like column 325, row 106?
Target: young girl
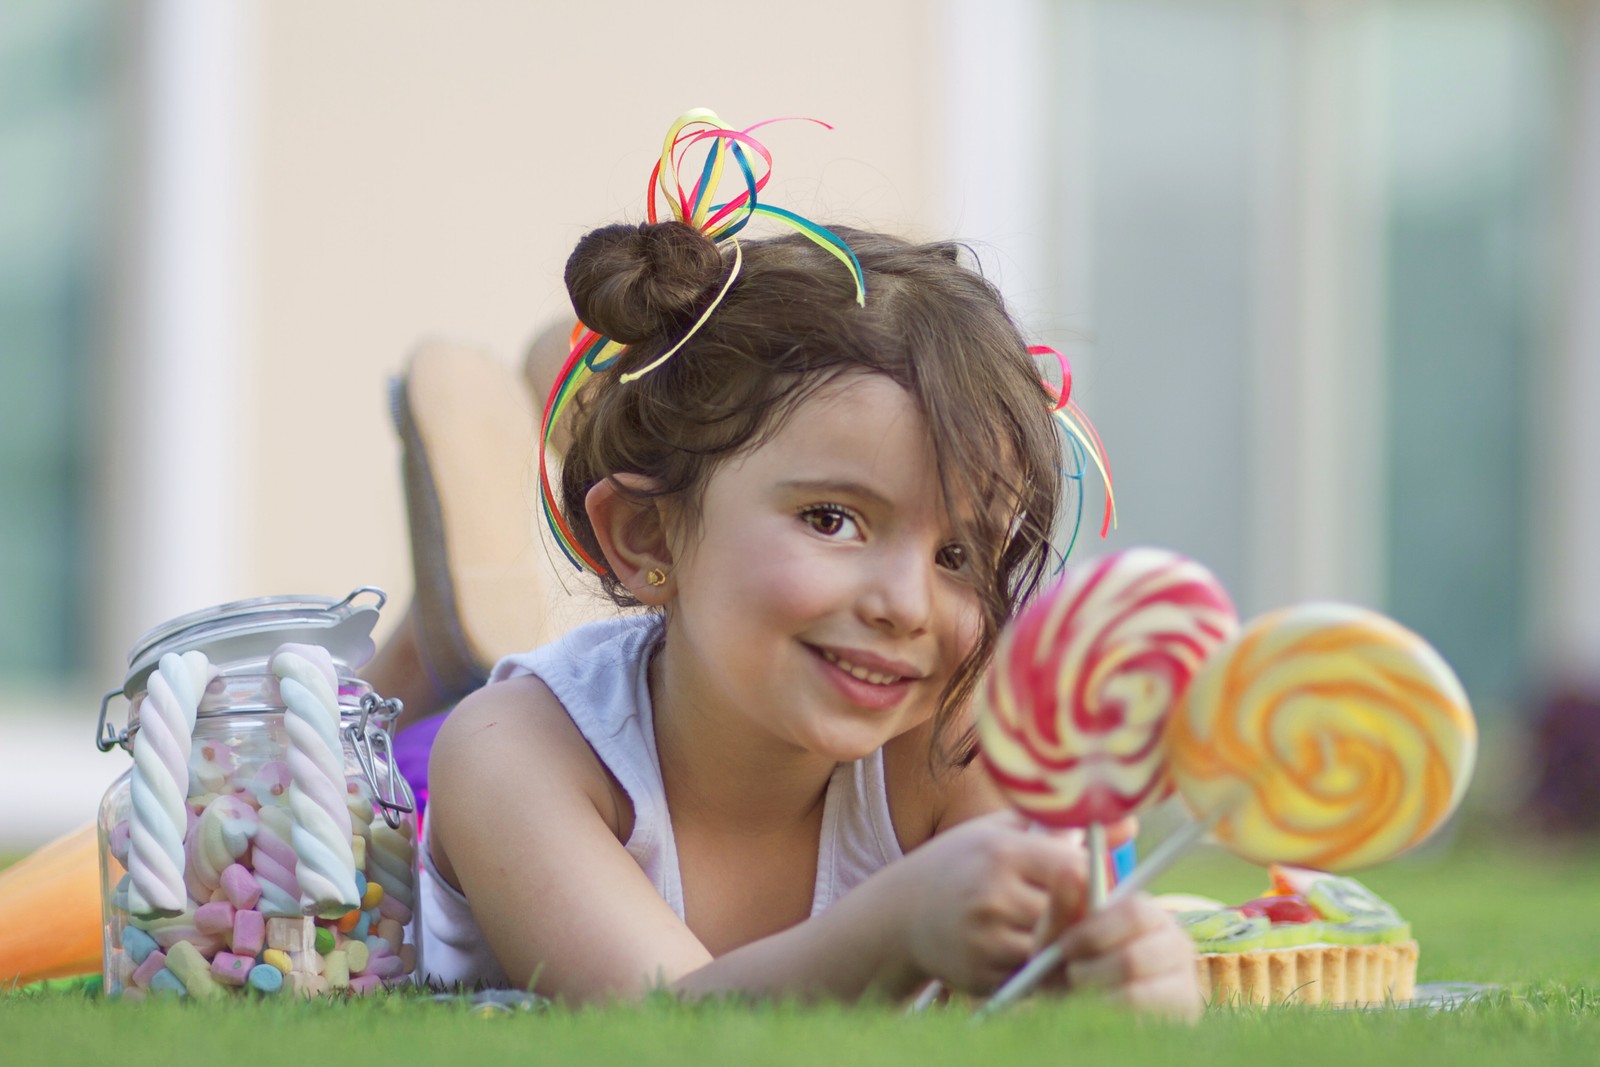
column 762, row 782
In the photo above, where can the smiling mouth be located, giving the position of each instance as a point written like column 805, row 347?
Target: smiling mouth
column 861, row 674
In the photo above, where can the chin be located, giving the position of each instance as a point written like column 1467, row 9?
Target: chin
column 846, row 745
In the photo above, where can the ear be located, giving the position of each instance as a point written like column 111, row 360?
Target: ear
column 632, row 534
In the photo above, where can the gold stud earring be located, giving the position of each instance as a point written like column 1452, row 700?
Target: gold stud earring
column 657, row 576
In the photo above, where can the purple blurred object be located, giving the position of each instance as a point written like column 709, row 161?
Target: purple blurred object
column 411, row 748
column 1565, row 764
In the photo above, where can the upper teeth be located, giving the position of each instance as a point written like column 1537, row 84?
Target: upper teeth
column 865, row 675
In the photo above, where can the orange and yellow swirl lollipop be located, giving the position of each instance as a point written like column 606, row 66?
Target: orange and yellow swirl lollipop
column 1323, row 736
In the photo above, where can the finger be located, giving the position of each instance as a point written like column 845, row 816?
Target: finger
column 1104, row 930
column 1047, row 859
column 1152, row 957
column 1023, row 907
column 1069, row 901
column 1001, row 956
column 1174, row 996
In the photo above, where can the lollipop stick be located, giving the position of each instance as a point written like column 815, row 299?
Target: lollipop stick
column 1099, row 858
column 1162, row 857
column 925, row 999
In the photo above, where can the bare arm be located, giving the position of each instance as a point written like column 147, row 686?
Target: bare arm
column 523, row 817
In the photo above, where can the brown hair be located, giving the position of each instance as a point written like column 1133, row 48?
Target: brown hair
column 788, row 325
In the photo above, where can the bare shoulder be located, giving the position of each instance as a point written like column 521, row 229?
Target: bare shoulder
column 927, row 793
column 525, row 821
column 512, row 747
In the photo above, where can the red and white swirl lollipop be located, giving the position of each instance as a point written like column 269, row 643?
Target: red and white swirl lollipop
column 1071, row 717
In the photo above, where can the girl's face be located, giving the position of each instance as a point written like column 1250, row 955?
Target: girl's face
column 823, row 597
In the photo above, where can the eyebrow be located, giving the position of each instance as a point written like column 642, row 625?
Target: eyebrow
column 835, row 487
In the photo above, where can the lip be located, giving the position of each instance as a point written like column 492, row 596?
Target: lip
column 867, row 695
column 860, row 657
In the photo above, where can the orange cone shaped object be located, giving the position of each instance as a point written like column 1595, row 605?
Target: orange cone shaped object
column 50, row 912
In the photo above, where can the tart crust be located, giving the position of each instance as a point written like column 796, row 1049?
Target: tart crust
column 1359, row 975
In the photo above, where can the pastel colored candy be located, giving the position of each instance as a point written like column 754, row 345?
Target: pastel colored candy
column 164, row 981
column 210, row 764
column 168, row 937
column 391, row 931
column 146, row 971
column 240, row 885
column 1070, row 718
column 322, row 831
column 137, row 944
column 119, row 895
column 231, row 969
column 117, row 842
column 390, row 862
column 291, row 935
column 306, row 985
column 363, row 984
column 1326, row 736
column 362, row 926
column 379, row 946
column 222, row 835
column 160, row 783
column 265, row 978
column 270, row 783
column 193, row 970
column 386, row 966
column 276, row 957
column 274, row 862
column 372, row 896
column 336, row 969
column 358, row 955
column 122, row 968
column 249, row 932
column 324, row 940
column 214, row 918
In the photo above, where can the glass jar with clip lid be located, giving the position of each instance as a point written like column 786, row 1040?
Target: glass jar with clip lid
column 263, row 840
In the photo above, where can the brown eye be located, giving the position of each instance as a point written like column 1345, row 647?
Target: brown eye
column 829, row 520
column 951, row 557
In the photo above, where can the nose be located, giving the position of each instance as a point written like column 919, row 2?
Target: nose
column 898, row 590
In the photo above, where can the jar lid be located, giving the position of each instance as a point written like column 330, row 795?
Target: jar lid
column 252, row 629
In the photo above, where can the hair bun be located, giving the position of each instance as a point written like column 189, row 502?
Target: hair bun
column 632, row 282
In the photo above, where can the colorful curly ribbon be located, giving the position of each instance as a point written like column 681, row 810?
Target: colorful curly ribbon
column 693, row 206
column 1082, row 440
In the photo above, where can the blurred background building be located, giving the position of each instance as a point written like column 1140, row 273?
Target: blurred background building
column 1319, row 265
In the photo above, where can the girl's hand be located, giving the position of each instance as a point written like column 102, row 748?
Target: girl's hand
column 977, row 898
column 1137, row 954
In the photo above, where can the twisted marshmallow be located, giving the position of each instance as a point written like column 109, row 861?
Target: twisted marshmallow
column 326, row 865
column 1330, row 737
column 220, row 837
column 391, row 862
column 1070, row 717
column 273, row 860
column 160, row 784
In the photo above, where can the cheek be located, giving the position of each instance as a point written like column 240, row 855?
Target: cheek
column 966, row 621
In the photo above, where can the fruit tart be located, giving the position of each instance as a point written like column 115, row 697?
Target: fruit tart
column 1316, row 938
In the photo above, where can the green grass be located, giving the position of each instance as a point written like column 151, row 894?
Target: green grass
column 1554, row 1024
column 1484, row 911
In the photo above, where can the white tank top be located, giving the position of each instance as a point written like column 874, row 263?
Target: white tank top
column 599, row 673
